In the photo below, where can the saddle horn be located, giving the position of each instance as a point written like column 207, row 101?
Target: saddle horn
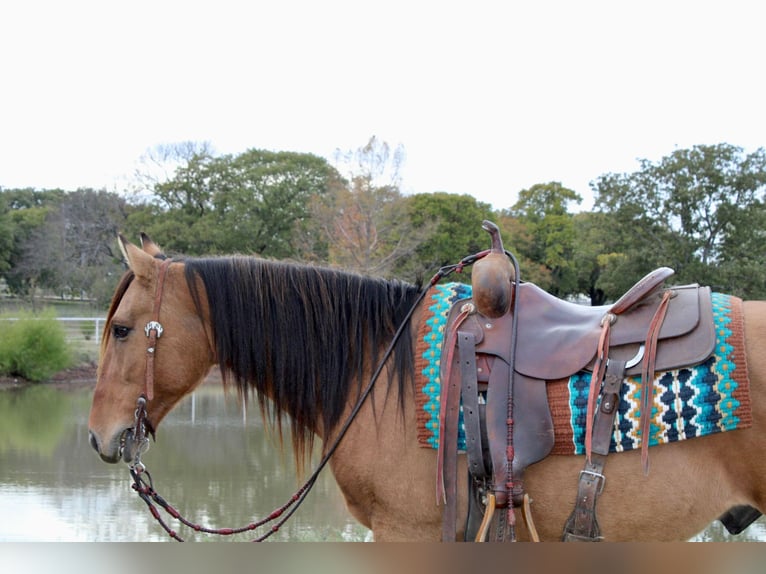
column 492, row 277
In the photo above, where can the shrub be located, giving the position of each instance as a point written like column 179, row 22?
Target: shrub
column 33, row 347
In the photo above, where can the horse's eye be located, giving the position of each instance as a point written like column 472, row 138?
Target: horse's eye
column 120, row 331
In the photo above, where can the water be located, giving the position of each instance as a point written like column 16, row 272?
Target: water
column 214, row 462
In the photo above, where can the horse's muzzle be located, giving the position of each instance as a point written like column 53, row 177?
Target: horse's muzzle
column 109, row 452
column 123, row 446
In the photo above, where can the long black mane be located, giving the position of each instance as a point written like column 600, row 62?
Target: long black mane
column 302, row 335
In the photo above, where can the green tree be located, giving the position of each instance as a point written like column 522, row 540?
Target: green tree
column 516, row 235
column 27, row 212
column 269, row 198
column 6, row 234
column 549, row 238
column 75, row 249
column 695, row 211
column 593, row 258
column 159, row 163
column 250, row 203
column 454, row 231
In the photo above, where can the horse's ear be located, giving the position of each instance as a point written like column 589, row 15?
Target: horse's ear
column 140, row 262
column 149, row 246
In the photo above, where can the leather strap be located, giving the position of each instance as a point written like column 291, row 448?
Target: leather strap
column 446, row 468
column 449, row 469
column 599, row 370
column 497, row 430
column 154, row 330
column 582, row 525
column 647, row 376
column 470, row 397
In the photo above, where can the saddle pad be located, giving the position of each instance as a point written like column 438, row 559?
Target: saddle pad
column 708, row 398
column 428, row 352
column 711, row 397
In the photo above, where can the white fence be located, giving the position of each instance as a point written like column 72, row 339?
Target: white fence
column 87, row 328
column 79, row 329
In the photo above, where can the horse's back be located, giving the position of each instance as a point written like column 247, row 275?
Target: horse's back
column 755, row 331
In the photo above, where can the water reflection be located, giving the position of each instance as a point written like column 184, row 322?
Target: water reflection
column 214, row 462
column 21, row 415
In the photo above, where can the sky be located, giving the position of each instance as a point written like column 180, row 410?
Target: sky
column 486, row 97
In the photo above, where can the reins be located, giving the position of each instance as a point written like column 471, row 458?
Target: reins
column 142, row 480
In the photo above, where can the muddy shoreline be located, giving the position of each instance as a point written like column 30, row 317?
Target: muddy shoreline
column 79, row 377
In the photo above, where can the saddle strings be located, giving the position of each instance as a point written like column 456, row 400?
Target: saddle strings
column 647, row 376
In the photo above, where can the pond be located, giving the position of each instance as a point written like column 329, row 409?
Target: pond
column 214, row 462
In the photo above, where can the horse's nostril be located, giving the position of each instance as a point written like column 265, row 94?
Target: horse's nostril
column 93, row 440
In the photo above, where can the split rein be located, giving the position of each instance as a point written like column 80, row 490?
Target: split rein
column 142, row 480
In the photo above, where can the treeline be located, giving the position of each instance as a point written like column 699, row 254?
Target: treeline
column 700, row 211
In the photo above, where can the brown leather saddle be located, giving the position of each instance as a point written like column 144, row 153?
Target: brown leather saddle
column 507, row 420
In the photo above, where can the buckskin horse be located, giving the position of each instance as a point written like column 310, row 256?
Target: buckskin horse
column 304, row 340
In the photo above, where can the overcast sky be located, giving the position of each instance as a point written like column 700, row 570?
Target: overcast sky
column 487, row 98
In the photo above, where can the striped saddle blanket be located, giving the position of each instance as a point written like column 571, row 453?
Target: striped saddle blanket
column 695, row 401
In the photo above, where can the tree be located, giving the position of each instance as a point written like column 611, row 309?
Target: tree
column 694, row 210
column 269, row 198
column 362, row 224
column 27, row 212
column 550, row 233
column 375, row 163
column 516, row 235
column 6, row 234
column 250, row 203
column 72, row 252
column 597, row 266
column 366, row 229
column 159, row 163
column 453, row 225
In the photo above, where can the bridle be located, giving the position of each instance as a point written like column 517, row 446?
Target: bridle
column 153, row 331
column 142, row 480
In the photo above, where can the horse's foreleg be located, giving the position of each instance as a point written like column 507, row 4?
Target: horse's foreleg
column 388, row 480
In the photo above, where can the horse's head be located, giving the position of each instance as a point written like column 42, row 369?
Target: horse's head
column 182, row 351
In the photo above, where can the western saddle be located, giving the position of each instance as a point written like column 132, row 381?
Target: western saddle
column 499, row 378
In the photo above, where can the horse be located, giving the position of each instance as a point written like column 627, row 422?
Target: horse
column 303, row 341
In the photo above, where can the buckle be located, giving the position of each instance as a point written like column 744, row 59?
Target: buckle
column 598, row 476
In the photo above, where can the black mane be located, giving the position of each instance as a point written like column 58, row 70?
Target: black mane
column 300, row 334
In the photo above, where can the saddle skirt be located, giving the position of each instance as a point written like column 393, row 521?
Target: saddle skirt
column 699, row 389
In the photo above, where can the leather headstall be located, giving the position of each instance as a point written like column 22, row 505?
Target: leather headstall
column 153, row 330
